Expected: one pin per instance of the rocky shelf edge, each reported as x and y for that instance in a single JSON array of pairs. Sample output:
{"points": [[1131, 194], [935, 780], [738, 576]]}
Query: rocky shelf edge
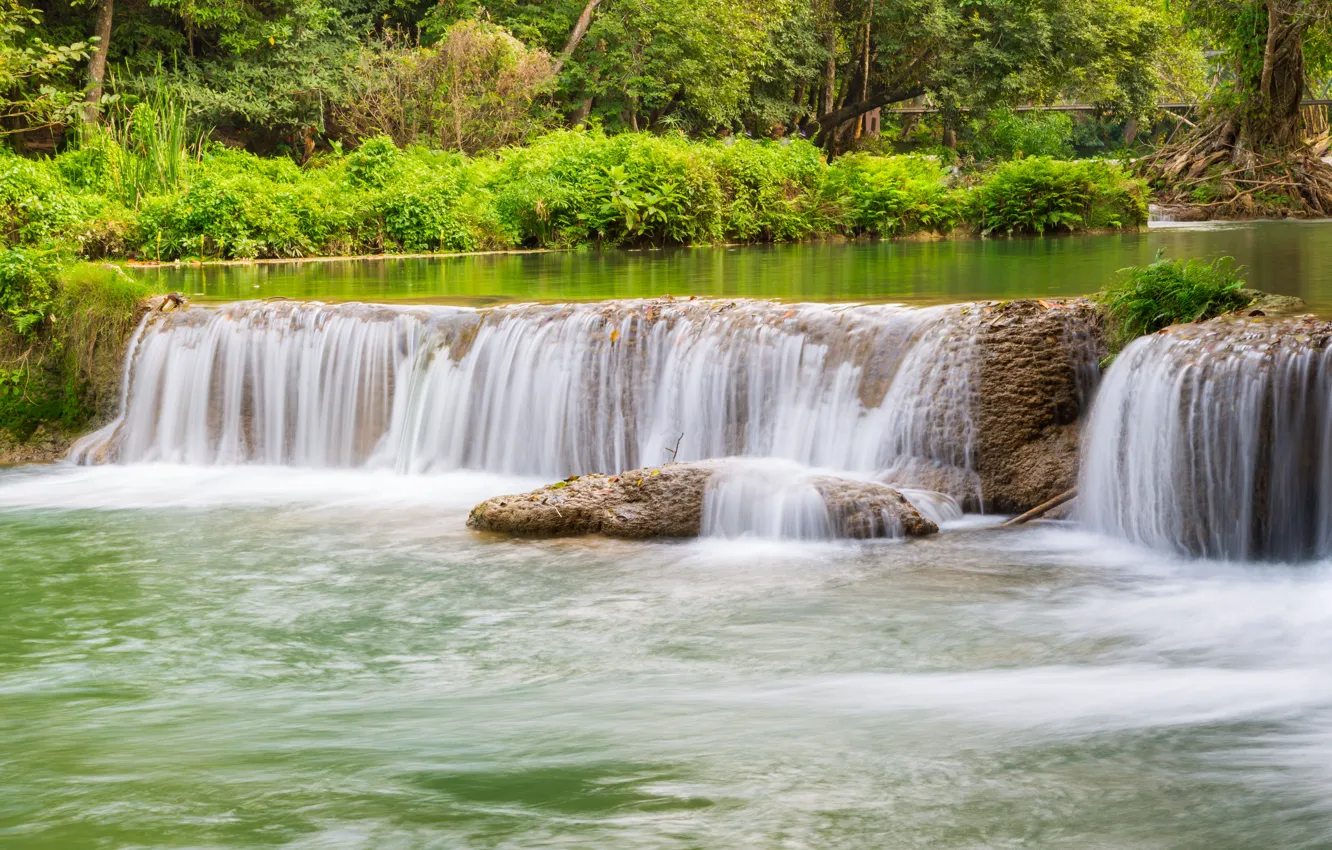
{"points": [[667, 501], [50, 442]]}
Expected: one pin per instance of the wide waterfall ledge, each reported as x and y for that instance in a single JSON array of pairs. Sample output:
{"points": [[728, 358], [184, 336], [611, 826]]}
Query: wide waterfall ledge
{"points": [[977, 401]]}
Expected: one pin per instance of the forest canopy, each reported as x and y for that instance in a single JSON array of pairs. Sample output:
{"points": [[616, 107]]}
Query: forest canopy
{"points": [[472, 75]]}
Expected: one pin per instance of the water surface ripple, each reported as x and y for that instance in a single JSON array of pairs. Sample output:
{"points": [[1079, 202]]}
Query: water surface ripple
{"points": [[250, 657]]}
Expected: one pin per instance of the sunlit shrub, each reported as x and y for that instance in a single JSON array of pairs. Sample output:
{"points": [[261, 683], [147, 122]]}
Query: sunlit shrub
{"points": [[1146, 299], [1040, 194], [892, 195]]}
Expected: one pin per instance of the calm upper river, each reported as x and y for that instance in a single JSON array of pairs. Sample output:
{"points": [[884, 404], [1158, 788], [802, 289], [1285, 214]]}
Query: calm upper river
{"points": [[1290, 258]]}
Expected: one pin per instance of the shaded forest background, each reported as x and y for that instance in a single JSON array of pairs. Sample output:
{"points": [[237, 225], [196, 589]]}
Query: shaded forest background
{"points": [[458, 74]]}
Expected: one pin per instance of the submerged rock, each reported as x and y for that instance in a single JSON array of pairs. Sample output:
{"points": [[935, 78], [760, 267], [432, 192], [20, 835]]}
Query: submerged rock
{"points": [[1269, 304], [668, 501]]}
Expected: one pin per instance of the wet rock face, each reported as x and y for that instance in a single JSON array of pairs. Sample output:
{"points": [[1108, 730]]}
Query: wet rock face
{"points": [[1038, 366], [863, 510], [668, 501]]}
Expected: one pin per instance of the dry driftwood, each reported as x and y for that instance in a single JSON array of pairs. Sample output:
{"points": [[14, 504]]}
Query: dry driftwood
{"points": [[1042, 509]]}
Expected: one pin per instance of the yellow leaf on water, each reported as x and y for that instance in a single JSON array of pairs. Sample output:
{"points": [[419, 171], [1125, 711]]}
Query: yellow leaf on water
{"points": [[656, 472], [615, 335]]}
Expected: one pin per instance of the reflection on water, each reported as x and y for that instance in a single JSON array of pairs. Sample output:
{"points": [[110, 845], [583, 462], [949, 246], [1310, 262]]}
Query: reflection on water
{"points": [[273, 657], [1292, 258]]}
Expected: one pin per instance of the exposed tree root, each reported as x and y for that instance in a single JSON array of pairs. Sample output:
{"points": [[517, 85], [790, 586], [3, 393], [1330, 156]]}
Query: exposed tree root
{"points": [[1212, 172]]}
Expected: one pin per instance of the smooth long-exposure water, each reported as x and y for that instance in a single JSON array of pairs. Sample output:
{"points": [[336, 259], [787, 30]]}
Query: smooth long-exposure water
{"points": [[269, 657]]}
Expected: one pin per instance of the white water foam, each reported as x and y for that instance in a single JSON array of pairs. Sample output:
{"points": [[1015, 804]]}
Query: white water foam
{"points": [[539, 390], [1215, 440]]}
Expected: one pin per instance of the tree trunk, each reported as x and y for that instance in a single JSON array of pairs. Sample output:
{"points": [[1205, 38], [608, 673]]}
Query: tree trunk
{"points": [[865, 71], [97, 62], [1274, 120], [580, 29], [829, 122], [581, 112], [829, 72]]}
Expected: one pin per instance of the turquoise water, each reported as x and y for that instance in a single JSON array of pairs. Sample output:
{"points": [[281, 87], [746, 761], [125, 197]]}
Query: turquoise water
{"points": [[1293, 258], [280, 658]]}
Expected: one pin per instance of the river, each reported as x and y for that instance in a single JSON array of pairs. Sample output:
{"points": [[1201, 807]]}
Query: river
{"points": [[208, 655], [1289, 258]]}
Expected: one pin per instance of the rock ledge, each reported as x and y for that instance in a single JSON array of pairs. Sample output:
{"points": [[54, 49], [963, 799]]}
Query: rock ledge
{"points": [[668, 501]]}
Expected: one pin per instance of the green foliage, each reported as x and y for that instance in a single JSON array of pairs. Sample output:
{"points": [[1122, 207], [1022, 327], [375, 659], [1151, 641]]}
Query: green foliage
{"points": [[27, 288], [371, 165], [1146, 299], [55, 316], [1005, 134], [112, 199], [36, 205], [1037, 194], [893, 195], [240, 213], [141, 151], [771, 191], [36, 76]]}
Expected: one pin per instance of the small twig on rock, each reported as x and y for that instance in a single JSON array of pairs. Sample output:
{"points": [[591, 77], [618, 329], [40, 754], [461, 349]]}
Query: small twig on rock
{"points": [[675, 451]]}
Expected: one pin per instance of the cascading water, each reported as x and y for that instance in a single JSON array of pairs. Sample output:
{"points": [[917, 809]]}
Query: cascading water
{"points": [[1216, 440], [764, 497], [550, 390]]}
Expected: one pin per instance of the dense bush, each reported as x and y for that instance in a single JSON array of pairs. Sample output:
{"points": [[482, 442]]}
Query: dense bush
{"points": [[36, 204], [1037, 194], [150, 194], [1146, 299], [892, 195]]}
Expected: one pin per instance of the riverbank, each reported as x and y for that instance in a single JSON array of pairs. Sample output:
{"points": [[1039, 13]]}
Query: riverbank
{"points": [[564, 189]]}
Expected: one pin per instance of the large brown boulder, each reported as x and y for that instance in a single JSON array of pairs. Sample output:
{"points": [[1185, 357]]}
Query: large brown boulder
{"points": [[1038, 364], [668, 501]]}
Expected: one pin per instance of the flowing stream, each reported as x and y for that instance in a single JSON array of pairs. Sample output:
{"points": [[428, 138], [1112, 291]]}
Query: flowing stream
{"points": [[253, 616], [276, 657], [549, 390], [1217, 443]]}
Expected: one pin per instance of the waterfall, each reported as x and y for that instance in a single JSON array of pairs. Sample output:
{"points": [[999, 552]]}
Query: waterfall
{"points": [[1216, 440], [550, 390], [767, 498]]}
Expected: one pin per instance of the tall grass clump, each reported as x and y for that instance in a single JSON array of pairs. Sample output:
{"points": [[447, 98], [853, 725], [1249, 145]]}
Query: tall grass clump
{"points": [[1040, 194], [146, 150], [57, 319], [1146, 299]]}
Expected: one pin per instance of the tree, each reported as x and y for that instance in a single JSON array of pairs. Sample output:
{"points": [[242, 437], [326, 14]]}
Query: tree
{"points": [[34, 74], [472, 90], [1251, 139], [966, 54], [97, 62]]}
